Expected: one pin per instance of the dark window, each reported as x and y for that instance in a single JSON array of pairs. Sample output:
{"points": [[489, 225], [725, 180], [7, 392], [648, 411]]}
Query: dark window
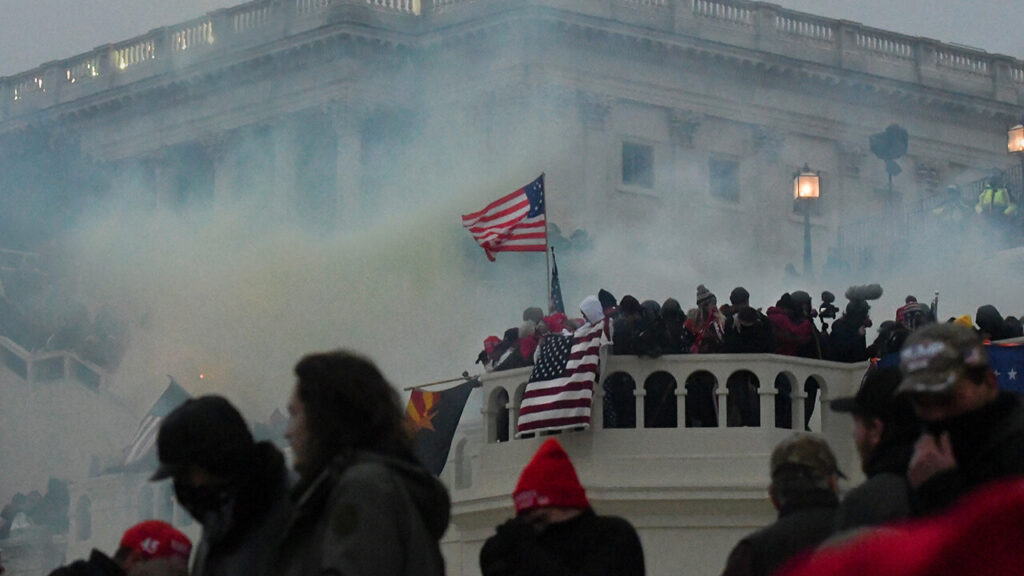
{"points": [[637, 165], [725, 179]]}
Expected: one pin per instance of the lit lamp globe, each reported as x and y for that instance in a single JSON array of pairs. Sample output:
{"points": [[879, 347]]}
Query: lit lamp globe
{"points": [[1015, 139], [807, 184]]}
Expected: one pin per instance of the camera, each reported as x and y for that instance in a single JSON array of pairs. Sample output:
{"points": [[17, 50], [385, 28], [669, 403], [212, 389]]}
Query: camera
{"points": [[827, 309]]}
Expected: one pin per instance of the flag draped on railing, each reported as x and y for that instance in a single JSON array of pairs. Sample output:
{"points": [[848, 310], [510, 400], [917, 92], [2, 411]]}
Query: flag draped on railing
{"points": [[432, 418], [561, 387], [145, 436], [513, 223]]}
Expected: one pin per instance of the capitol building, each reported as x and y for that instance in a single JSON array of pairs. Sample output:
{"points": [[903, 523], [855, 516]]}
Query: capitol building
{"points": [[656, 121]]}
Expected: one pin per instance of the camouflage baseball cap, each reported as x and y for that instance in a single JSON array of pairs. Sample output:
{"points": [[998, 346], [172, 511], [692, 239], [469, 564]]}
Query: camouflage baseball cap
{"points": [[934, 357], [804, 452]]}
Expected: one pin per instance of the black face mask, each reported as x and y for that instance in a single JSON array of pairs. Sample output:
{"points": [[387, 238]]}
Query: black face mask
{"points": [[205, 503]]}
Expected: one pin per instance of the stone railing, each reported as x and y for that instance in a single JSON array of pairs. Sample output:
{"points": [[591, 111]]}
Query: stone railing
{"points": [[503, 391], [49, 366], [751, 25]]}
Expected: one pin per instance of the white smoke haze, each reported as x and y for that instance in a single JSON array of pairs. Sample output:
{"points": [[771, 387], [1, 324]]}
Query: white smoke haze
{"points": [[237, 292]]}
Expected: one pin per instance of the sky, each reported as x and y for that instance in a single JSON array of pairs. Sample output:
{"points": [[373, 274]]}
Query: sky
{"points": [[36, 31]]}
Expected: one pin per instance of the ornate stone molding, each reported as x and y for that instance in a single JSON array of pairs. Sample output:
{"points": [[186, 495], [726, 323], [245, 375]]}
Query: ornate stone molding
{"points": [[682, 127], [768, 139], [594, 110], [927, 173], [851, 158]]}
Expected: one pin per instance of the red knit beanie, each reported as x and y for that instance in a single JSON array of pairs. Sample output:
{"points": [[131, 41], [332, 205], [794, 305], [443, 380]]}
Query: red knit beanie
{"points": [[549, 481]]}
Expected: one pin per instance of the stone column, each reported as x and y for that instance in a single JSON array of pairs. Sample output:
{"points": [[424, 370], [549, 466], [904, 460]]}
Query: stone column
{"points": [[282, 202], [348, 119], [682, 129], [217, 149], [593, 111]]}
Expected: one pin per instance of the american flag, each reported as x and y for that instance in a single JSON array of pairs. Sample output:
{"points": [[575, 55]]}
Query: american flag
{"points": [[559, 393], [514, 223], [145, 436]]}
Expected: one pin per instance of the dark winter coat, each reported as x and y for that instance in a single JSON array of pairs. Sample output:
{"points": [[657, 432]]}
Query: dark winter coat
{"points": [[846, 343], [755, 339], [803, 523], [98, 564], [364, 515], [588, 545], [885, 496], [988, 444], [244, 545]]}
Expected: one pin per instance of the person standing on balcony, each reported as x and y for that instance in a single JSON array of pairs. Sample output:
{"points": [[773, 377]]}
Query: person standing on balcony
{"points": [[364, 504], [884, 431], [555, 531], [804, 490], [973, 433], [747, 331]]}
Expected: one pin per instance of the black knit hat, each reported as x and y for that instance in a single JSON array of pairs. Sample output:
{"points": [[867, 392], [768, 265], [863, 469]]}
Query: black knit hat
{"points": [[704, 296], [208, 432]]}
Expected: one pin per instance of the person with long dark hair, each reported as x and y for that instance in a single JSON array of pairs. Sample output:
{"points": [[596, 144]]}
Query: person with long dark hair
{"points": [[364, 503]]}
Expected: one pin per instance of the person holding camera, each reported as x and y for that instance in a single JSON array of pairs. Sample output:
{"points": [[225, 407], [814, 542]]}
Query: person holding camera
{"points": [[848, 341], [555, 532]]}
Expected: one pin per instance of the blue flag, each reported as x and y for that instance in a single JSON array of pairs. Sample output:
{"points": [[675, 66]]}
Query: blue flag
{"points": [[1008, 363]]}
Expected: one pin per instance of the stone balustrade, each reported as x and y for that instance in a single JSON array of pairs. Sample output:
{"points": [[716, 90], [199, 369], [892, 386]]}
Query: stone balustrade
{"points": [[503, 391], [39, 367], [758, 26]]}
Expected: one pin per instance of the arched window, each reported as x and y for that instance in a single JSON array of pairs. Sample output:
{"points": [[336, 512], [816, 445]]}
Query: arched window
{"points": [[660, 406], [83, 518], [744, 404], [701, 405], [463, 466], [619, 401]]}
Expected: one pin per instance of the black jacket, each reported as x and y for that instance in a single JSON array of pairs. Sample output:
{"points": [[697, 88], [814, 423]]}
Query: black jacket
{"points": [[803, 523], [988, 444], [244, 543], [885, 496], [98, 564], [588, 544]]}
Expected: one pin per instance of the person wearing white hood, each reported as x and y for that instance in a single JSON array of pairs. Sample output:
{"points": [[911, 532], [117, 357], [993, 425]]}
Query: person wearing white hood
{"points": [[592, 310]]}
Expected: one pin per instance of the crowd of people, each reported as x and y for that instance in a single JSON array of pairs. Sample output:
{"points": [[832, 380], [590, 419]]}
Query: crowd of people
{"points": [[928, 434], [793, 326]]}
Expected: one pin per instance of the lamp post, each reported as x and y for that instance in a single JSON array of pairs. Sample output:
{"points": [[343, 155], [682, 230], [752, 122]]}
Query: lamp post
{"points": [[1015, 145], [806, 189]]}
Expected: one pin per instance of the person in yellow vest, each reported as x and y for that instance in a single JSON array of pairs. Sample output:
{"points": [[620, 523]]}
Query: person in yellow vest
{"points": [[995, 200]]}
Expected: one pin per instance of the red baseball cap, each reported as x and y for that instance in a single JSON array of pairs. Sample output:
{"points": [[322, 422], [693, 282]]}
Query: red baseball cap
{"points": [[156, 539]]}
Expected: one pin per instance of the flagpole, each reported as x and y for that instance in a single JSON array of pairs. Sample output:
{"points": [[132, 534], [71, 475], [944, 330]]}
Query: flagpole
{"points": [[465, 376], [547, 257]]}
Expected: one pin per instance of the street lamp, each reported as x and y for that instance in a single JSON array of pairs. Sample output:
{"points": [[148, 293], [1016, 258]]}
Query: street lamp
{"points": [[1015, 145], [806, 189]]}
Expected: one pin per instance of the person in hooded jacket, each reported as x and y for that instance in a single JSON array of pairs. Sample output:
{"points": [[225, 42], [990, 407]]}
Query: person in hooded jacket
{"points": [[991, 325], [235, 487], [364, 504]]}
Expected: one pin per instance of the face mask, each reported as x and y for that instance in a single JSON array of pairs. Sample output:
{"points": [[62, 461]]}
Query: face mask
{"points": [[204, 503]]}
